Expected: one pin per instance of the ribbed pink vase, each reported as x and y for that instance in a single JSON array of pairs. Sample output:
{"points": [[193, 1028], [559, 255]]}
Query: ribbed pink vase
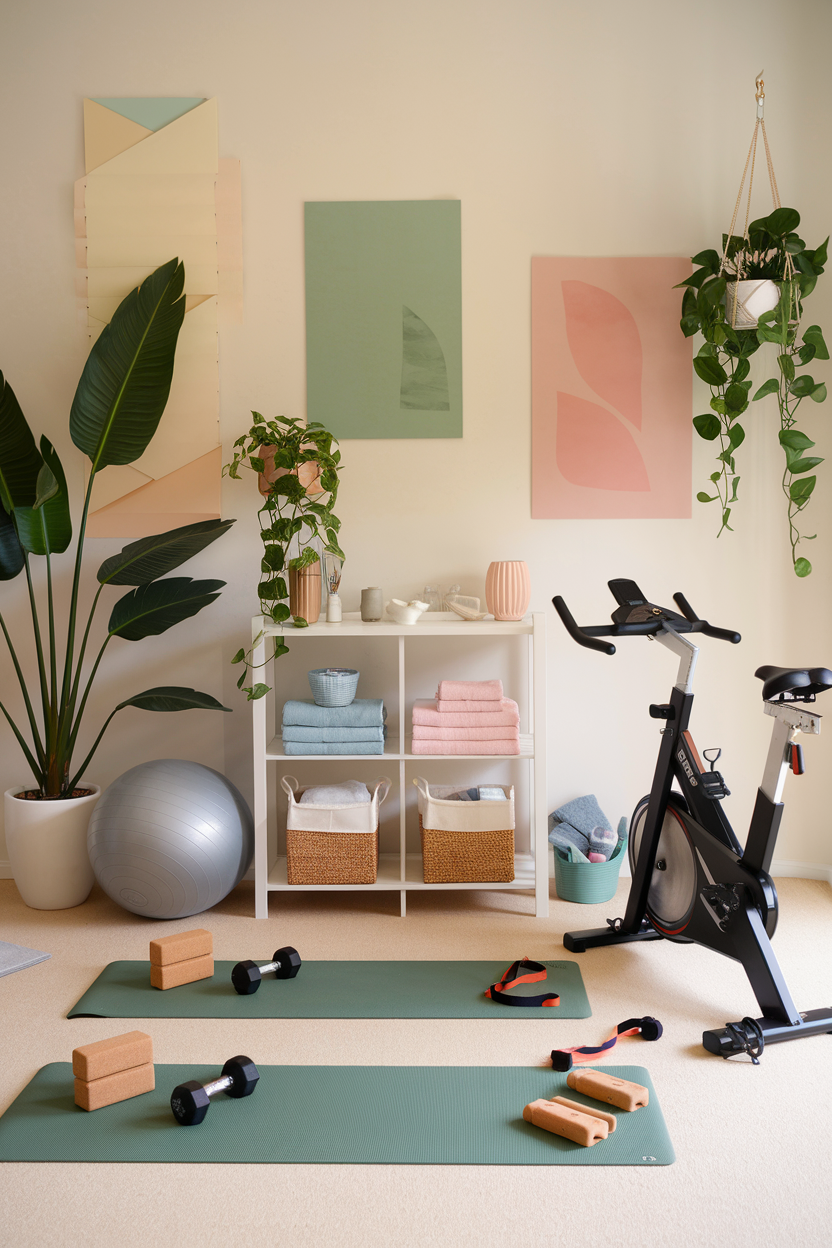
{"points": [[508, 589]]}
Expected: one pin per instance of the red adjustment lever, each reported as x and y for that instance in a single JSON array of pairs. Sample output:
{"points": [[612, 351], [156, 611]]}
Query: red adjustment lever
{"points": [[798, 766]]}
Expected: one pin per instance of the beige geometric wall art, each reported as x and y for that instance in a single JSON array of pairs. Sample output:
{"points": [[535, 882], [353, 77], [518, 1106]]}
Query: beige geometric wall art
{"points": [[155, 188]]}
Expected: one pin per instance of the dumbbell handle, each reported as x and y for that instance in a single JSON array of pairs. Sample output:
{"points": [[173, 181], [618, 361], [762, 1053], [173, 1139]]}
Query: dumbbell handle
{"points": [[218, 1085], [269, 966]]}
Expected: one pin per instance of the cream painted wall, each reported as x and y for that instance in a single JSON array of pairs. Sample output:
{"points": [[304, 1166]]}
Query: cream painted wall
{"points": [[564, 128]]}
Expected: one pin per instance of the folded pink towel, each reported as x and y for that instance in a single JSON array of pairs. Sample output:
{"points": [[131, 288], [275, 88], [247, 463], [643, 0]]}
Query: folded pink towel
{"points": [[427, 732], [473, 690], [465, 747], [489, 706], [425, 712]]}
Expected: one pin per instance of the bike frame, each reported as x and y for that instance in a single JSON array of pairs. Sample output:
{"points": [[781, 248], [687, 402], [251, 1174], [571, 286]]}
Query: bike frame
{"points": [[734, 906]]}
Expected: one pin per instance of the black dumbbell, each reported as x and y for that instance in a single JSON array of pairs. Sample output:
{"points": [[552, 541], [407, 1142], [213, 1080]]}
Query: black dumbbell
{"points": [[246, 976], [191, 1101]]}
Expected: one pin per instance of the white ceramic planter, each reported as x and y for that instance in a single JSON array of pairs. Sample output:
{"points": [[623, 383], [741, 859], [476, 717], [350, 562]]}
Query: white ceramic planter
{"points": [[747, 300], [47, 844]]}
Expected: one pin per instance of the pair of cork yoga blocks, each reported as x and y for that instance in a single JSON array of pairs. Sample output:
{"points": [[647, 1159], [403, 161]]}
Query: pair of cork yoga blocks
{"points": [[181, 959], [583, 1124], [113, 1070]]}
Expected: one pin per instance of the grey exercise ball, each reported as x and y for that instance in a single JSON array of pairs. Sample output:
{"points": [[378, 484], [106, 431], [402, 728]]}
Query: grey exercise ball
{"points": [[170, 838]]}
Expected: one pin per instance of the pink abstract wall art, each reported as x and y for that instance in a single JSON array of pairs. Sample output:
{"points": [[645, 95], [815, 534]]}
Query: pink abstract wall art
{"points": [[611, 389]]}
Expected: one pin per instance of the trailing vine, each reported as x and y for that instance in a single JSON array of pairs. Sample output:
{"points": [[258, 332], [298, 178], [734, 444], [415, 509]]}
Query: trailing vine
{"points": [[770, 250]]}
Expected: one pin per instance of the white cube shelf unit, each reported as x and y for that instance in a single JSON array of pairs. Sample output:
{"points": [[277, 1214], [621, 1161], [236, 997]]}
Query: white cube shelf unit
{"points": [[402, 871]]}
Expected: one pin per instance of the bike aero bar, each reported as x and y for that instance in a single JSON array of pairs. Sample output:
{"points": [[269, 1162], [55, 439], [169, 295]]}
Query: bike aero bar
{"points": [[636, 617]]}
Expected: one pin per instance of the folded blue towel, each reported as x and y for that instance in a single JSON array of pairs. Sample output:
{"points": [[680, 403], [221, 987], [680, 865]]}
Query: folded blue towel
{"points": [[296, 732], [361, 713], [333, 747]]}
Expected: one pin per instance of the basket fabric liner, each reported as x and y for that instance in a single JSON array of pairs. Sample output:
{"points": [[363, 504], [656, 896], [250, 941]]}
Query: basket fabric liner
{"points": [[349, 817]]}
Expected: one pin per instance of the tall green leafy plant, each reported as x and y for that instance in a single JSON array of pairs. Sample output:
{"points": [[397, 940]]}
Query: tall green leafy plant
{"points": [[116, 410], [771, 249], [301, 476]]}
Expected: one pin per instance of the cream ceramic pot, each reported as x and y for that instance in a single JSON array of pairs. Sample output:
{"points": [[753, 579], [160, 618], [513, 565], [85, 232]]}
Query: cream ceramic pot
{"points": [[47, 845], [405, 612]]}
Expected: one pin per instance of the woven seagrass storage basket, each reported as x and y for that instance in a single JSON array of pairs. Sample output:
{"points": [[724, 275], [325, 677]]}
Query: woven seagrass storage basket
{"points": [[465, 842], [332, 844]]}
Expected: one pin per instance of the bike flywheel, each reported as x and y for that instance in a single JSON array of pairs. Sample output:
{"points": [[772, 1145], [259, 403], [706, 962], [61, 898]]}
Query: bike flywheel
{"points": [[672, 889]]}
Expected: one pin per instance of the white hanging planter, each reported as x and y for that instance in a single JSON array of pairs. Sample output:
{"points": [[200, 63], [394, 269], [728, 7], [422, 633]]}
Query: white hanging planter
{"points": [[746, 301], [47, 845]]}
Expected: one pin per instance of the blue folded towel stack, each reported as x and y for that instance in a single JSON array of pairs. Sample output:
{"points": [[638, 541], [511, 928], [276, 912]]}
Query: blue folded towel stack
{"points": [[354, 729]]}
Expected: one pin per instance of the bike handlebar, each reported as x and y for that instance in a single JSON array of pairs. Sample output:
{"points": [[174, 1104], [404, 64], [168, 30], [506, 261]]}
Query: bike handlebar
{"points": [[581, 635], [688, 622]]}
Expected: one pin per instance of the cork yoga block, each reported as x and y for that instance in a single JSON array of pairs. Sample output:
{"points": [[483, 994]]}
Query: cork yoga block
{"points": [[108, 1057], [618, 1092], [573, 1124], [178, 973], [182, 946], [609, 1119], [97, 1093]]}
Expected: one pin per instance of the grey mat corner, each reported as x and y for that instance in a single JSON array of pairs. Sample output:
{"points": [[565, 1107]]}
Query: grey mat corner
{"points": [[329, 989], [18, 958], [390, 1115]]}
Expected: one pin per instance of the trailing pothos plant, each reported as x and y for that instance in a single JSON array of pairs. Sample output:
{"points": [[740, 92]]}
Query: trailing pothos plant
{"points": [[770, 249], [298, 466], [117, 407]]}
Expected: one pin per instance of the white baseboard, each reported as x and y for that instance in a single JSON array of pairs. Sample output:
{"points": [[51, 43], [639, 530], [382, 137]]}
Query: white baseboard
{"points": [[786, 870], [800, 871], [781, 868], [6, 871]]}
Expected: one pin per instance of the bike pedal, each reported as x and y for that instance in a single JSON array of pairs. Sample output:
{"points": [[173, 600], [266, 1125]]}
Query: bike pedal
{"points": [[713, 786]]}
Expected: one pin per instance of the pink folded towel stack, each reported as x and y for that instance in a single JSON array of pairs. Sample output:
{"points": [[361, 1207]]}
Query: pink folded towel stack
{"points": [[466, 717]]}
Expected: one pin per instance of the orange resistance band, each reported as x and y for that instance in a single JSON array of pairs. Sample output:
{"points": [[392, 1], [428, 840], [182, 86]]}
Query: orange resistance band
{"points": [[648, 1028], [533, 971]]}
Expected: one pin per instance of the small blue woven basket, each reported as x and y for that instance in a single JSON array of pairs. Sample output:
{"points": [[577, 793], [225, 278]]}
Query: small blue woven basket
{"points": [[333, 686]]}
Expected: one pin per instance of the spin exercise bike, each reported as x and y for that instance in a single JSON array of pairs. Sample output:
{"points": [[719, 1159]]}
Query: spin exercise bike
{"points": [[692, 880]]}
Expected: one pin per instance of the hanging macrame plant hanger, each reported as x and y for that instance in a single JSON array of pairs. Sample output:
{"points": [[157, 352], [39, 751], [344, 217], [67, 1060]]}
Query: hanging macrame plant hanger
{"points": [[746, 298]]}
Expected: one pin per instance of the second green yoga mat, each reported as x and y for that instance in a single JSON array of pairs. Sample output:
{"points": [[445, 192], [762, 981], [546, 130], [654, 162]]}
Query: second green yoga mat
{"points": [[335, 990], [422, 1115]]}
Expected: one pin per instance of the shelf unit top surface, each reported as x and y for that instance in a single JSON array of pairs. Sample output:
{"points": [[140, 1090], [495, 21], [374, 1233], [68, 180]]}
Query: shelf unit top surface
{"points": [[446, 624]]}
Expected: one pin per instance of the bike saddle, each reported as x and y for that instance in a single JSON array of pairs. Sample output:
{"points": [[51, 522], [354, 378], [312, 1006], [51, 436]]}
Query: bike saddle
{"points": [[802, 683]]}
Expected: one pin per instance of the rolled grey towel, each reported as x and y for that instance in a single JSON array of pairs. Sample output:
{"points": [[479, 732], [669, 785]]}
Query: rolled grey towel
{"points": [[583, 813], [563, 835]]}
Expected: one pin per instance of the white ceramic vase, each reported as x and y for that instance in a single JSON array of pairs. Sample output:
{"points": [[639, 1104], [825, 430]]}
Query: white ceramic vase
{"points": [[47, 845]]}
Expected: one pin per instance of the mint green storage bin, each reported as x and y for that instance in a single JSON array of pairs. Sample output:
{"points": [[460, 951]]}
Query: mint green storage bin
{"points": [[588, 882]]}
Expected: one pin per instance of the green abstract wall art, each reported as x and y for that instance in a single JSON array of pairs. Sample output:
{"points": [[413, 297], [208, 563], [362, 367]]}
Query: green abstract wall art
{"points": [[384, 318]]}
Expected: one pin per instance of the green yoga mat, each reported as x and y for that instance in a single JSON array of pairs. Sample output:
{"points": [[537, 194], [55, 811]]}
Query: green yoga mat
{"points": [[429, 1115], [335, 990]]}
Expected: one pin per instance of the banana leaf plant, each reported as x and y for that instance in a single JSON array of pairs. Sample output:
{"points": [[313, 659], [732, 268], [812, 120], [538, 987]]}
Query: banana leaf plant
{"points": [[116, 410]]}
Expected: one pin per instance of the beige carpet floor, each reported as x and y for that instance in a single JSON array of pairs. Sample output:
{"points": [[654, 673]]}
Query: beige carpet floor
{"points": [[753, 1165]]}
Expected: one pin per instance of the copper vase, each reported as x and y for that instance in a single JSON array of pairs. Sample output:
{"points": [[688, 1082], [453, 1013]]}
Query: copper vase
{"points": [[508, 589], [305, 592]]}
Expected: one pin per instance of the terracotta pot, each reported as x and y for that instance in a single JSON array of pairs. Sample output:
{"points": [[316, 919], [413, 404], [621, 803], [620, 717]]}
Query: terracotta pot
{"points": [[508, 589], [305, 592], [308, 474], [47, 844]]}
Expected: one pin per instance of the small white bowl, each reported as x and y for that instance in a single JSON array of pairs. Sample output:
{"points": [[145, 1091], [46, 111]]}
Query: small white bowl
{"points": [[405, 612]]}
